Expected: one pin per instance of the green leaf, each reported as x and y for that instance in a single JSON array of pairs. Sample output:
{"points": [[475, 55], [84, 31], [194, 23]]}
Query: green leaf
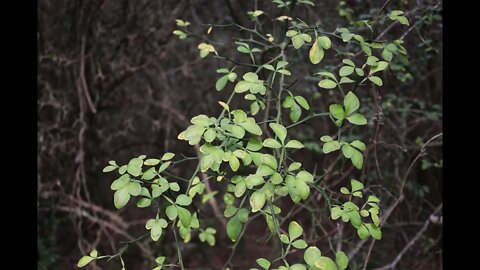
{"points": [[346, 80], [372, 61], [346, 70], [251, 126], [254, 180], [183, 200], [344, 190], [276, 178], [348, 62], [358, 144], [316, 53], [357, 194], [387, 55], [355, 218], [295, 113], [375, 218], [121, 198], [149, 174], [330, 147], [257, 200], [336, 212], [156, 229], [294, 230], [269, 67], [279, 130], [374, 231], [174, 186], [305, 176], [134, 188], [326, 138], [254, 108], [151, 162], [182, 22], [134, 166], [324, 42], [294, 144], [372, 198], [284, 238], [144, 202], [271, 143], [359, 72], [362, 232], [254, 144], [264, 263], [171, 212], [239, 116], [337, 111], [84, 261], [220, 84], [209, 135], [164, 166], [294, 166], [93, 253], [297, 41], [327, 74], [311, 255], [381, 65], [122, 169], [351, 103], [364, 213], [201, 120], [240, 189], [250, 77], [325, 263], [242, 86], [284, 72], [296, 266], [120, 182], [299, 244], [234, 228], [356, 185], [185, 216], [222, 70], [403, 20], [109, 168], [357, 119], [238, 131], [302, 102], [357, 159], [270, 161], [291, 33], [376, 80], [234, 163], [288, 102], [327, 84], [342, 260]]}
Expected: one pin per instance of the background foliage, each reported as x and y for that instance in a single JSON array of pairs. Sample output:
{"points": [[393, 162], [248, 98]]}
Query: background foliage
{"points": [[115, 82]]}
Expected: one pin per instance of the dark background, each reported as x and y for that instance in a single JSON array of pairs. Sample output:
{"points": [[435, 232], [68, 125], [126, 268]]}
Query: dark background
{"points": [[145, 84]]}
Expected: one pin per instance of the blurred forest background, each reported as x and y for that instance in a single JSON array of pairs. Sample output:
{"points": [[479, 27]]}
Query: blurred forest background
{"points": [[114, 83]]}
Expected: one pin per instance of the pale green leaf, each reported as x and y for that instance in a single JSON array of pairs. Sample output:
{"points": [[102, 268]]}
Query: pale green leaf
{"points": [[327, 84], [311, 255], [294, 144], [302, 102], [357, 119], [294, 230], [279, 130], [84, 261], [257, 200], [325, 263], [271, 143], [351, 103]]}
